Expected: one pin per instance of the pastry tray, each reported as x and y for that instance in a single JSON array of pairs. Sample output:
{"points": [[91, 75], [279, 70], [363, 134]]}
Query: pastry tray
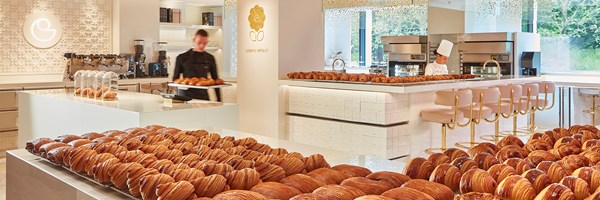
{"points": [[86, 177], [185, 87], [392, 84]]}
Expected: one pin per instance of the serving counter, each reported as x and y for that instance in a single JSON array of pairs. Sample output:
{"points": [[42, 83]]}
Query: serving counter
{"points": [[50, 113], [375, 119]]}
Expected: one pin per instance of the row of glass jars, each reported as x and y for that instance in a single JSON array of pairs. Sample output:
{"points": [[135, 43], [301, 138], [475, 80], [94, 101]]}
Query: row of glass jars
{"points": [[97, 85]]}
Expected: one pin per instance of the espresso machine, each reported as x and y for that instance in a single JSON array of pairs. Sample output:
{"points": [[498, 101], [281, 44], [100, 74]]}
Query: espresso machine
{"points": [[139, 67], [118, 63], [160, 68], [406, 55]]}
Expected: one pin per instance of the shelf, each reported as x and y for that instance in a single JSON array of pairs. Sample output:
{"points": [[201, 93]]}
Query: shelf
{"points": [[186, 26]]}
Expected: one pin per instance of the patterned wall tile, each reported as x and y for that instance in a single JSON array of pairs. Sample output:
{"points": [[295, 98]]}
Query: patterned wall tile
{"points": [[230, 13], [87, 29]]}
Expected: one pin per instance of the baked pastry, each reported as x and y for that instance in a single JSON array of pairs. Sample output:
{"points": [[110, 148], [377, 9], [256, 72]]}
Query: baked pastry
{"points": [[209, 186], [315, 161], [157, 164], [543, 137], [100, 170], [547, 156], [538, 179], [446, 174], [153, 148], [476, 196], [188, 159], [464, 164], [126, 156], [572, 162], [594, 157], [537, 144], [373, 197], [242, 164], [79, 159], [589, 175], [302, 182], [352, 171], [240, 195], [290, 165], [95, 160], [118, 173], [477, 180], [170, 169], [483, 147], [181, 190], [515, 188], [134, 177], [419, 168], [184, 147], [34, 145], [590, 143], [567, 140], [245, 142], [510, 140], [565, 150], [276, 151], [500, 171], [555, 191], [553, 169], [518, 164], [309, 196], [110, 147], [79, 142], [406, 193], [579, 187], [92, 135], [393, 178], [187, 174], [294, 155], [275, 190], [101, 140], [269, 172], [169, 155], [328, 176], [149, 185], [154, 128], [595, 196], [511, 151], [199, 164], [243, 179], [49, 146], [57, 155], [455, 153], [438, 158], [368, 186], [67, 138], [339, 192], [219, 168], [485, 160], [435, 190], [251, 155]]}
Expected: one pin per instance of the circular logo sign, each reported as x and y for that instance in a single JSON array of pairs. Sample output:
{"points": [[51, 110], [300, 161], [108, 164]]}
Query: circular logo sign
{"points": [[42, 30]]}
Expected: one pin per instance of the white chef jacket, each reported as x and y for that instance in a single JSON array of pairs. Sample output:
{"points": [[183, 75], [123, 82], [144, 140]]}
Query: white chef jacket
{"points": [[436, 69]]}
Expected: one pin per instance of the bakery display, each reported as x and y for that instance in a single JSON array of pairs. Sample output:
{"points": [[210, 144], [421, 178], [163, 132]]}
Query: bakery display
{"points": [[374, 78]]}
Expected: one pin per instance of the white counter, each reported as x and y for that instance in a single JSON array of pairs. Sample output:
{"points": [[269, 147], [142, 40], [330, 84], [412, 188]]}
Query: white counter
{"points": [[50, 113]]}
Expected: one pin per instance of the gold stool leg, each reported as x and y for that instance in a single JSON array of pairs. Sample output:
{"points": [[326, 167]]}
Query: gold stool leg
{"points": [[439, 150], [514, 131], [466, 145], [496, 136]]}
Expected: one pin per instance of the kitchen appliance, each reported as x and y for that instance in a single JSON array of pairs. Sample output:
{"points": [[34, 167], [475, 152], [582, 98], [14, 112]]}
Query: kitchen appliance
{"points": [[477, 48], [406, 55], [118, 63], [139, 68], [531, 63], [208, 19], [160, 68]]}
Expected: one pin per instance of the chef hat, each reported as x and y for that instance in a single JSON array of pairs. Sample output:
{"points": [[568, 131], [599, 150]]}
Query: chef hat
{"points": [[445, 48]]}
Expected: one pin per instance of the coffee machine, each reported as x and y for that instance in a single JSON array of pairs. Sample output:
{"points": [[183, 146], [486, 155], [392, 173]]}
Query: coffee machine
{"points": [[160, 68], [531, 63], [139, 67]]}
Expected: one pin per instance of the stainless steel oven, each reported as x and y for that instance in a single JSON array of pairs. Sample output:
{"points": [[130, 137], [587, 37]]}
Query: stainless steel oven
{"points": [[405, 55], [477, 48]]}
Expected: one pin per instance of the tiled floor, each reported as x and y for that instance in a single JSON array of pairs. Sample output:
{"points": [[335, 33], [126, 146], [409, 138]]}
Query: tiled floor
{"points": [[2, 178]]}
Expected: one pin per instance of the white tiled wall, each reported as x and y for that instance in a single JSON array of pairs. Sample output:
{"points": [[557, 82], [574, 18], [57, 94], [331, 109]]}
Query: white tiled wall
{"points": [[357, 106], [387, 142]]}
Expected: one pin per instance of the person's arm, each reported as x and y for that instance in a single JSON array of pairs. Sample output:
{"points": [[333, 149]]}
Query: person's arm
{"points": [[178, 68], [428, 70], [215, 75]]}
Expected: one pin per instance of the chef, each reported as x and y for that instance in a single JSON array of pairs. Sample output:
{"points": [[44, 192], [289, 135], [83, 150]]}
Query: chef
{"points": [[197, 63], [438, 67]]}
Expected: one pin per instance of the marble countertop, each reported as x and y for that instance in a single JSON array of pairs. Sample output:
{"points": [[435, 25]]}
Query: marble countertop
{"points": [[43, 85], [128, 101]]}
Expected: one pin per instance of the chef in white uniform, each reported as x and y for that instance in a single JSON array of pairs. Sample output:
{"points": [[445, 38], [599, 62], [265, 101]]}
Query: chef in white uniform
{"points": [[438, 67]]}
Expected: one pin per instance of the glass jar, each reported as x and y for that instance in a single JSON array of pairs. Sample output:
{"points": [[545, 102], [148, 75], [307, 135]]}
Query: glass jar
{"points": [[77, 86], [110, 81], [88, 84], [98, 87]]}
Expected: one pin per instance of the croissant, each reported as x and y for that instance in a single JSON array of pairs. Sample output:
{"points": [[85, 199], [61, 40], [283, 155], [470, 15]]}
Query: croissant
{"points": [[169, 155], [567, 140], [565, 150], [368, 186], [594, 157], [79, 142], [275, 190], [476, 196], [438, 159], [95, 160], [555, 191], [276, 151], [187, 174], [589, 175], [149, 185], [57, 155], [187, 159], [446, 174], [435, 190], [153, 148], [118, 173], [219, 168], [590, 143], [406, 193], [170, 168], [67, 138], [500, 171], [573, 162], [242, 164], [511, 151], [553, 169], [393, 178], [464, 164], [113, 133], [197, 133], [536, 144], [538, 179], [130, 143], [309, 196], [594, 196], [221, 156], [579, 187], [240, 194], [243, 179], [419, 168], [315, 161], [79, 159], [168, 130], [100, 170], [181, 190], [209, 186], [352, 171], [134, 177], [547, 156], [92, 136], [127, 156], [304, 183], [245, 142], [485, 160], [152, 139], [482, 148], [373, 197], [595, 149], [294, 155], [543, 137], [199, 164], [101, 140], [455, 153], [110, 147], [259, 147], [510, 140], [157, 164], [518, 164], [328, 176], [251, 155], [339, 192], [49, 146], [515, 188], [477, 180], [290, 165], [34, 145]]}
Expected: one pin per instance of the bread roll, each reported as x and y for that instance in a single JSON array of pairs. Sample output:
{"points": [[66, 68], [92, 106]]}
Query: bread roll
{"points": [[393, 178], [500, 171], [464, 164], [406, 193], [302, 182], [240, 195], [339, 192], [368, 186], [209, 186], [352, 171], [328, 176], [538, 179], [515, 188], [555, 191], [477, 180], [438, 159], [315, 161], [419, 168], [435, 190], [269, 172], [181, 190], [149, 185], [118, 173], [186, 174], [67, 138], [373, 197], [589, 175], [455, 153], [579, 187], [446, 174], [485, 160], [275, 190], [134, 177], [510, 140]]}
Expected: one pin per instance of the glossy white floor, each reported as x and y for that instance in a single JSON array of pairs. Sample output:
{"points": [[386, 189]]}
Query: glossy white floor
{"points": [[2, 178]]}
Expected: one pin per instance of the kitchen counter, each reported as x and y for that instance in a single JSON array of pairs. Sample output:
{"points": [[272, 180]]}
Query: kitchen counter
{"points": [[62, 84]]}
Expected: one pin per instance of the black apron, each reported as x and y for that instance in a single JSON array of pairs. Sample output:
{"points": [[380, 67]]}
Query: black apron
{"points": [[197, 66]]}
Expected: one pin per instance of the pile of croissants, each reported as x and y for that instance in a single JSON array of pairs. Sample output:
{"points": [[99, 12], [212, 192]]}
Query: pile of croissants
{"points": [[199, 81], [157, 162], [375, 78]]}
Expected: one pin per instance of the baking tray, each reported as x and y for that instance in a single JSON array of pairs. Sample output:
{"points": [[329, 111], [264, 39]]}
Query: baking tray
{"points": [[391, 84], [185, 87]]}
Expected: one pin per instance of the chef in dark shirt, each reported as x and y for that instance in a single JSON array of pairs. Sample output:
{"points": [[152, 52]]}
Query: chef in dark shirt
{"points": [[197, 63]]}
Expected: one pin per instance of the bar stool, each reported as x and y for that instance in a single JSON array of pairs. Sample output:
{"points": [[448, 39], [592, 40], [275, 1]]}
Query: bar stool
{"points": [[544, 88], [531, 96], [481, 98], [449, 115], [522, 105], [506, 109], [594, 93]]}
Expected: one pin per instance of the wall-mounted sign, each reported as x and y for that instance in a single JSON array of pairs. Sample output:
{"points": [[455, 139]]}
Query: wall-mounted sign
{"points": [[42, 30], [257, 22]]}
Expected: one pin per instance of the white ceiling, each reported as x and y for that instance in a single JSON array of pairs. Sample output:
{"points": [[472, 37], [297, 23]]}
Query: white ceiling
{"points": [[200, 2], [448, 4]]}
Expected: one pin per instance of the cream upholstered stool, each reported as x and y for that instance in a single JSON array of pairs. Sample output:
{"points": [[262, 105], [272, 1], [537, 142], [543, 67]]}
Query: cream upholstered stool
{"points": [[531, 92], [525, 105], [538, 104], [505, 109], [521, 106], [449, 115], [594, 93], [479, 110]]}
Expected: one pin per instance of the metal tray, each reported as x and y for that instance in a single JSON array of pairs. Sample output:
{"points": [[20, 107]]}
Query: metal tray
{"points": [[185, 87], [391, 84]]}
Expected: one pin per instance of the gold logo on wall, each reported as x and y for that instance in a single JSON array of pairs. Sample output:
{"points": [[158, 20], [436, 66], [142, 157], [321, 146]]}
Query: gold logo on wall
{"points": [[257, 22]]}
